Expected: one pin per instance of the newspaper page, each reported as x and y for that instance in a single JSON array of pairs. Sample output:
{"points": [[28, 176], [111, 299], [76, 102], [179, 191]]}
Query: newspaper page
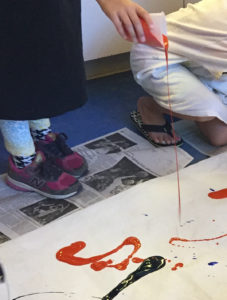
{"points": [[191, 134], [117, 161]]}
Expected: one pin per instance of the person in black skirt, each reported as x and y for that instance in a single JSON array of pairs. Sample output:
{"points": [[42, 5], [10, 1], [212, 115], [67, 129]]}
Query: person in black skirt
{"points": [[41, 76]]}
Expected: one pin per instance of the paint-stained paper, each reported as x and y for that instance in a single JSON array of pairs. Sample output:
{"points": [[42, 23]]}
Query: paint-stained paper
{"points": [[149, 212]]}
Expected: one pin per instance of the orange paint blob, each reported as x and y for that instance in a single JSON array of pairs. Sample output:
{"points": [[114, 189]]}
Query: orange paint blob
{"points": [[221, 194], [66, 255]]}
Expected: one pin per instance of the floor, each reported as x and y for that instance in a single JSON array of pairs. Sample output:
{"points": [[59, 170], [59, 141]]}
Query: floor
{"points": [[110, 100]]}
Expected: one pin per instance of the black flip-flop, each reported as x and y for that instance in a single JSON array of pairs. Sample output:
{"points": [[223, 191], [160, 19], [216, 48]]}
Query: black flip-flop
{"points": [[145, 129]]}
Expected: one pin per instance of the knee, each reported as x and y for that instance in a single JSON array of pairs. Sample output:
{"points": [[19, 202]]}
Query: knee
{"points": [[217, 140], [215, 131]]}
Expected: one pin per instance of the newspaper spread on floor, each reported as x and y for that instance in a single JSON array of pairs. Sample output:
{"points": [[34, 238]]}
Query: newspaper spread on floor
{"points": [[117, 161], [191, 134]]}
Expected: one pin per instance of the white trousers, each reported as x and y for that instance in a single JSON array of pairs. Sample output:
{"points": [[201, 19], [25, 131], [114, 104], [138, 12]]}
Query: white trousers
{"points": [[193, 90]]}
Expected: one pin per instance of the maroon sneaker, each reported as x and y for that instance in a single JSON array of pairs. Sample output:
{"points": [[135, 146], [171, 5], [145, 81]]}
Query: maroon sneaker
{"points": [[44, 177], [55, 148]]}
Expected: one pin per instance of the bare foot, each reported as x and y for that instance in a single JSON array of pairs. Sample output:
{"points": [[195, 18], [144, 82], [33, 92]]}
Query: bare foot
{"points": [[152, 114]]}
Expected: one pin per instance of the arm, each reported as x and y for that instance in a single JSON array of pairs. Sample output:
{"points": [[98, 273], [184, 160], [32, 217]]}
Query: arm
{"points": [[125, 16]]}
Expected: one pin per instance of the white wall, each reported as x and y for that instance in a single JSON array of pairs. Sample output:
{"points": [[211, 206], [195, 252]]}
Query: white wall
{"points": [[100, 38], [190, 1]]}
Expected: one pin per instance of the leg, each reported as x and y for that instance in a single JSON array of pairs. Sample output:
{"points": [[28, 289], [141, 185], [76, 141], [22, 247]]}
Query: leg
{"points": [[39, 128], [190, 98], [29, 171], [152, 113], [18, 141], [54, 146], [215, 131]]}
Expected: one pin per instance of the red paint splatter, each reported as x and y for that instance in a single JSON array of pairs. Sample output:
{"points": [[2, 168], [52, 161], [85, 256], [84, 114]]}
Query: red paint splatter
{"points": [[221, 194], [66, 255], [173, 239], [178, 265]]}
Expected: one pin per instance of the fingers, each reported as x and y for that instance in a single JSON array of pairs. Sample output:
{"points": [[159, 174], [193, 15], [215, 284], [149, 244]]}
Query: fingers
{"points": [[137, 28], [126, 27], [126, 16], [129, 26], [120, 28], [143, 14]]}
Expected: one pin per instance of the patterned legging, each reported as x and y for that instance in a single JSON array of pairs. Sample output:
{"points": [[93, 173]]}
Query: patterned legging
{"points": [[17, 135]]}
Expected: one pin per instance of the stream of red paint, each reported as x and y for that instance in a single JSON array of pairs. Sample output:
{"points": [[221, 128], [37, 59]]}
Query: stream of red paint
{"points": [[153, 42], [218, 194], [173, 239], [166, 45], [66, 255]]}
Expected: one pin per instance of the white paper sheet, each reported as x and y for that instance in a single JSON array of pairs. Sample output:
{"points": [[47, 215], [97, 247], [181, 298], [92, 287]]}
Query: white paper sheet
{"points": [[148, 211]]}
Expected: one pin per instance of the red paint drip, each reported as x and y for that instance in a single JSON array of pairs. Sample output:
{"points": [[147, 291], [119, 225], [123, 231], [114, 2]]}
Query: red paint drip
{"points": [[221, 194], [152, 41], [66, 255], [178, 265], [166, 45], [173, 239]]}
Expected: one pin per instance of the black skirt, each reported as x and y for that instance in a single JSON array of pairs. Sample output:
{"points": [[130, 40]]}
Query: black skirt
{"points": [[41, 61]]}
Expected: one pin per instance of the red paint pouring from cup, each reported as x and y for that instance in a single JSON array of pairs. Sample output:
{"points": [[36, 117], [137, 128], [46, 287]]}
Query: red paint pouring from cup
{"points": [[152, 41]]}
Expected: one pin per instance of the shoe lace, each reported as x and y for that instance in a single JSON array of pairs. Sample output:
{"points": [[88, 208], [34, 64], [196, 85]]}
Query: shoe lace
{"points": [[48, 170], [58, 148]]}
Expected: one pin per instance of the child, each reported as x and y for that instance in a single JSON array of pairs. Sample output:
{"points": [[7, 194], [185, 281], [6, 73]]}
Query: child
{"points": [[197, 75], [41, 76]]}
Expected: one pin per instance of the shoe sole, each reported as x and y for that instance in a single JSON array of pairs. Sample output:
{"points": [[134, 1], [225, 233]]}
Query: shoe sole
{"points": [[82, 171], [20, 186]]}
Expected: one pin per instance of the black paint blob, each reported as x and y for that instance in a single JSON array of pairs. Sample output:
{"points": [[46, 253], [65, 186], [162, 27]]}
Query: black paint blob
{"points": [[149, 265]]}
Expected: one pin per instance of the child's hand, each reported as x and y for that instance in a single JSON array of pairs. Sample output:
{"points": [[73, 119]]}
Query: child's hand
{"points": [[125, 15]]}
